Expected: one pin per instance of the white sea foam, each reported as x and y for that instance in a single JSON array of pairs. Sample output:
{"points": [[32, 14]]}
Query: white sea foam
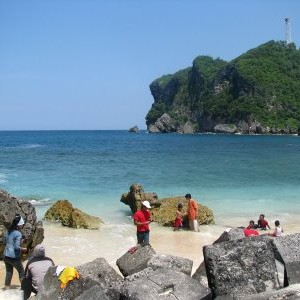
{"points": [[41, 202]]}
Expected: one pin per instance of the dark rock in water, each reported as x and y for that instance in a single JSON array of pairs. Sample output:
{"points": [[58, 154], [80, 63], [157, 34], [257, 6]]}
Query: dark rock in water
{"points": [[137, 195], [64, 212], [134, 129], [131, 263], [288, 252], [33, 229], [98, 280], [241, 267], [163, 284], [177, 263]]}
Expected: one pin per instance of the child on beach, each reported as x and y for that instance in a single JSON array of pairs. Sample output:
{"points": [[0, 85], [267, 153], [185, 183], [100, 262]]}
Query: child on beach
{"points": [[278, 230], [178, 220]]}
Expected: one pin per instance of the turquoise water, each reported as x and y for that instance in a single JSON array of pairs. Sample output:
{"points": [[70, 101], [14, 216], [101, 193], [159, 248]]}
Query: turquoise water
{"points": [[236, 176]]}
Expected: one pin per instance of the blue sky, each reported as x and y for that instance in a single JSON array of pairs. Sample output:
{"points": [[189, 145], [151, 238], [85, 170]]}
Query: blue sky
{"points": [[70, 64]]}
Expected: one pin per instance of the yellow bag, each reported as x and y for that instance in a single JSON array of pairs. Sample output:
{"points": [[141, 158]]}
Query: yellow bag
{"points": [[68, 274]]}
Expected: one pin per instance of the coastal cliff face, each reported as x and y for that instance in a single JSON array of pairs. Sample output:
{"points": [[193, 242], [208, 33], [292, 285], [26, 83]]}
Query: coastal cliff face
{"points": [[257, 92]]}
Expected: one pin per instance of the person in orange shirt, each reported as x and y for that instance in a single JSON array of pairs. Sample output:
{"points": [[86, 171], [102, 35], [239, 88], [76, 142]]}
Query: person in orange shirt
{"points": [[192, 212]]}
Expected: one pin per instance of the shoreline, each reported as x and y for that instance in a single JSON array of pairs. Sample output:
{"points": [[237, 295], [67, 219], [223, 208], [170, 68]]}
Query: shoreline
{"points": [[73, 247]]}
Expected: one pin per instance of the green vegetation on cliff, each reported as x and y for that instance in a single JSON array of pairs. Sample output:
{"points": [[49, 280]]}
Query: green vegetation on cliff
{"points": [[262, 86]]}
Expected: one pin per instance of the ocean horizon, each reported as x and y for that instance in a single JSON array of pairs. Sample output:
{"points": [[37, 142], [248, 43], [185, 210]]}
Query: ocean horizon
{"points": [[237, 176]]}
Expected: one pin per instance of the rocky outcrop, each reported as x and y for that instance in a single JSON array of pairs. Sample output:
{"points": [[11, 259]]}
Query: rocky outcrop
{"points": [[241, 267], [134, 129], [164, 215], [32, 231], [64, 212], [163, 210], [137, 195]]}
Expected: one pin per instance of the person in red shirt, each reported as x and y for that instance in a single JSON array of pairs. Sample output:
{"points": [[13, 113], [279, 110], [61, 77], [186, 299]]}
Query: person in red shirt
{"points": [[251, 225], [262, 223], [250, 232], [142, 219]]}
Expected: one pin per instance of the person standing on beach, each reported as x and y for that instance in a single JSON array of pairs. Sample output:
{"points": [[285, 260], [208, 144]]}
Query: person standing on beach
{"points": [[142, 219], [12, 251], [192, 212]]}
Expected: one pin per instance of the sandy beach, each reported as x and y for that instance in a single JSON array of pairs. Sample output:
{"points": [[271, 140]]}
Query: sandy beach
{"points": [[73, 247]]}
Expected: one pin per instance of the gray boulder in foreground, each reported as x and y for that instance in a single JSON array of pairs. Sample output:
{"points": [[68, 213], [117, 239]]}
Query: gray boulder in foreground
{"points": [[241, 267], [163, 284], [131, 263], [288, 252], [98, 280], [230, 234], [177, 263]]}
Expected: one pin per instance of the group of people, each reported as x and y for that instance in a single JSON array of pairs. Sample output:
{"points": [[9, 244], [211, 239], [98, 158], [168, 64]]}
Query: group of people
{"points": [[262, 223], [142, 218], [32, 277]]}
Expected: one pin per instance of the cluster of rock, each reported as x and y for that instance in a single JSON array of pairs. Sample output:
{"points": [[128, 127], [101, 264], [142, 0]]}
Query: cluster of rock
{"points": [[163, 210], [146, 275], [237, 267], [166, 124], [32, 231], [63, 211]]}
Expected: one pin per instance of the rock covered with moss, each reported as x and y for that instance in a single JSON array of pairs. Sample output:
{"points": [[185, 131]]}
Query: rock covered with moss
{"points": [[64, 212]]}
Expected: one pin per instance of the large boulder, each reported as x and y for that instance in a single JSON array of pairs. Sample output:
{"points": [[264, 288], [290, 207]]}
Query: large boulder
{"points": [[137, 195], [288, 252], [64, 212], [133, 262], [32, 231], [97, 280], [177, 263], [241, 267], [165, 214], [163, 284]]}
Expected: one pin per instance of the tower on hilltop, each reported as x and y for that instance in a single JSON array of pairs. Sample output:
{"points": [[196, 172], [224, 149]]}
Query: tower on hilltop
{"points": [[288, 33]]}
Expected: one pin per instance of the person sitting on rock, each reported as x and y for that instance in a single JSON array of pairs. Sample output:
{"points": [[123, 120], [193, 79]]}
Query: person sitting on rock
{"points": [[251, 225], [262, 223], [35, 271]]}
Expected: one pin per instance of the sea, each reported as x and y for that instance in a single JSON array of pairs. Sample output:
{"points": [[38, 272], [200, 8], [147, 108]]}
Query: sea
{"points": [[237, 176]]}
